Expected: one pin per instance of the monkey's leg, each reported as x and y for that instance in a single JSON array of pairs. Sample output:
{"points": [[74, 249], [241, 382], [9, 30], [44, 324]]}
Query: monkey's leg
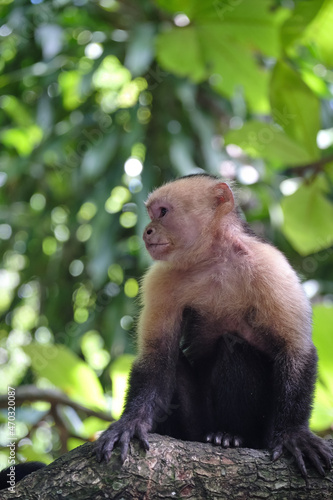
{"points": [[238, 383], [294, 380], [183, 418], [151, 385]]}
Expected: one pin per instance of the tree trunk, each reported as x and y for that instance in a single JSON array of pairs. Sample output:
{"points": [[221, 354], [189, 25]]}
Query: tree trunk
{"points": [[172, 469]]}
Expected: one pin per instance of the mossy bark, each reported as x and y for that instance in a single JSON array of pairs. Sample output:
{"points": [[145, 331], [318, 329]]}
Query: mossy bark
{"points": [[172, 469]]}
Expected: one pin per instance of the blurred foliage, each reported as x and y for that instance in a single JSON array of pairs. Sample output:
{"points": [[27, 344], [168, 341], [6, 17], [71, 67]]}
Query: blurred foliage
{"points": [[100, 102]]}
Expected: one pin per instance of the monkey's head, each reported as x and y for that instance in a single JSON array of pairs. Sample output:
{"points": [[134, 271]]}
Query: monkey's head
{"points": [[186, 215]]}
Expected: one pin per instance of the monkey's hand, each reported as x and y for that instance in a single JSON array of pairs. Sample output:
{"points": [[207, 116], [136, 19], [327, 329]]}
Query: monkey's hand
{"points": [[302, 443], [122, 432]]}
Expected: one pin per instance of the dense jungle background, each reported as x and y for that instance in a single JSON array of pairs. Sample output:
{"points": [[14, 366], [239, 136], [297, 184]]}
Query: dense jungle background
{"points": [[100, 102]]}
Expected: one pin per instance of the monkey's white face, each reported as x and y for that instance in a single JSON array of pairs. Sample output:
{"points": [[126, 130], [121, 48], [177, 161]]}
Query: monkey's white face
{"points": [[168, 233], [185, 216]]}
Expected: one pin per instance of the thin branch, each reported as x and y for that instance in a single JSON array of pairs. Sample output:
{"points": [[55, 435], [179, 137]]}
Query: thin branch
{"points": [[54, 397], [316, 166]]}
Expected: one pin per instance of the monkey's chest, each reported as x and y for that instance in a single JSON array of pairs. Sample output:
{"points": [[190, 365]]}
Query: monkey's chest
{"points": [[200, 333], [224, 292]]}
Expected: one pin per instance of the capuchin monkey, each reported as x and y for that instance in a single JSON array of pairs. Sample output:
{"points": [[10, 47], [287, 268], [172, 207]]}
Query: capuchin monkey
{"points": [[224, 337]]}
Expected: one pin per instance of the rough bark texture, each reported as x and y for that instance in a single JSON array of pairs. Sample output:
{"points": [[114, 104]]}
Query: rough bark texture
{"points": [[172, 469]]}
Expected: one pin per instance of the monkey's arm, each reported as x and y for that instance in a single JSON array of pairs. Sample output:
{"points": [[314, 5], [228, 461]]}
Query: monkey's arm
{"points": [[152, 377], [284, 313], [294, 378]]}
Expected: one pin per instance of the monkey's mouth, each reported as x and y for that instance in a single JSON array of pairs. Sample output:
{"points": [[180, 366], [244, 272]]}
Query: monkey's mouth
{"points": [[157, 248], [155, 245]]}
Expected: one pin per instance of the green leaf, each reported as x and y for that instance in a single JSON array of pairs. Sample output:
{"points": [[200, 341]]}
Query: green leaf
{"points": [[322, 416], [234, 67], [295, 108], [189, 62], [252, 23], [323, 339], [208, 53], [303, 13], [15, 109], [264, 140], [322, 413], [67, 371], [308, 219], [315, 83], [70, 83], [189, 7], [319, 32], [223, 40], [24, 140]]}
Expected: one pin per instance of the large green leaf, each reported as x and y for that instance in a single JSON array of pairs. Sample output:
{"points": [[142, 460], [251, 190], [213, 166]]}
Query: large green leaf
{"points": [[323, 339], [308, 219], [310, 23], [221, 40], [67, 371], [322, 416], [295, 108], [319, 32], [252, 22], [303, 13], [322, 413], [234, 67], [264, 140], [189, 62]]}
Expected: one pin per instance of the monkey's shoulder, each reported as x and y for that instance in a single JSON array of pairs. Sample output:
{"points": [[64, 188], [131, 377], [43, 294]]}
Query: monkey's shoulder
{"points": [[272, 266], [243, 259], [241, 274]]}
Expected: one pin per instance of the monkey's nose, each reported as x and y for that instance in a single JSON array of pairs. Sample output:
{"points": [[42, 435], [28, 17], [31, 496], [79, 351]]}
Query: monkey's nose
{"points": [[150, 231]]}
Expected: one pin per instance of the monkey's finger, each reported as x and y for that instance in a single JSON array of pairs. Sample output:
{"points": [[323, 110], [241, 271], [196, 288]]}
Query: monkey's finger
{"points": [[277, 452], [316, 463], [316, 452], [218, 438], [124, 444], [104, 447], [143, 439], [328, 460], [209, 437], [325, 453], [237, 441], [107, 454], [99, 453], [299, 460], [226, 441], [327, 457]]}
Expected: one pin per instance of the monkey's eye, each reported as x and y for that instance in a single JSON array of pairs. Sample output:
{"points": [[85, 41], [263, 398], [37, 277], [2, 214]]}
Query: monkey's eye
{"points": [[163, 211]]}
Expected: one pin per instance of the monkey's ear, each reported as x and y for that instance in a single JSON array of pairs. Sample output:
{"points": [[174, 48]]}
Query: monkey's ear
{"points": [[224, 196]]}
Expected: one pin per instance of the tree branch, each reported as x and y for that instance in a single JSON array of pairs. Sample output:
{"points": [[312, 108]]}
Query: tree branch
{"points": [[316, 166], [54, 397], [172, 469]]}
